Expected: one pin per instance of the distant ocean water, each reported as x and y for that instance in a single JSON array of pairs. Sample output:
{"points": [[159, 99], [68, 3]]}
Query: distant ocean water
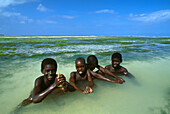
{"points": [[146, 58]]}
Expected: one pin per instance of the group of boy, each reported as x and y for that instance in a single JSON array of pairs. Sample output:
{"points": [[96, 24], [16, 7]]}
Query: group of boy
{"points": [[52, 82]]}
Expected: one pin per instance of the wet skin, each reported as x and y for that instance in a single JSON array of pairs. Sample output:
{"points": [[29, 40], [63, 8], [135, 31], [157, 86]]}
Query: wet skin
{"points": [[81, 74], [116, 68], [103, 71], [47, 83]]}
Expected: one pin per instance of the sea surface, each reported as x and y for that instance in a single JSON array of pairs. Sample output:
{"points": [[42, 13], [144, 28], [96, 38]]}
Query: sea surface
{"points": [[147, 59]]}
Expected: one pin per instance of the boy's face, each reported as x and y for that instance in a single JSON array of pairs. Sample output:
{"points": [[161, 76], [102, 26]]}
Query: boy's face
{"points": [[115, 62], [80, 67], [49, 72]]}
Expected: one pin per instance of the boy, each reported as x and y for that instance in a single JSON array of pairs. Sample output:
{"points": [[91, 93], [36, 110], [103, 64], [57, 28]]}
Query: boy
{"points": [[83, 74], [47, 83], [92, 63], [115, 66]]}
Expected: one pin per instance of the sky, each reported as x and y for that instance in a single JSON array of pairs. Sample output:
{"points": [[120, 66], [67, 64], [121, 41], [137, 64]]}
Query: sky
{"points": [[85, 17]]}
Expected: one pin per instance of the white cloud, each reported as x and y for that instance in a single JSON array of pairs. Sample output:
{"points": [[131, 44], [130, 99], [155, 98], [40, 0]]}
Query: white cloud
{"points": [[20, 18], [46, 21], [151, 17], [105, 11], [6, 3], [50, 22], [67, 16], [42, 8]]}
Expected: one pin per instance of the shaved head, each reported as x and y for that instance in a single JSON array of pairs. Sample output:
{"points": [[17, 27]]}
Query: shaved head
{"points": [[80, 60]]}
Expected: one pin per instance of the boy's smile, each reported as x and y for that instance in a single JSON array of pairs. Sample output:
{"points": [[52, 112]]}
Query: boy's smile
{"points": [[115, 62], [80, 67]]}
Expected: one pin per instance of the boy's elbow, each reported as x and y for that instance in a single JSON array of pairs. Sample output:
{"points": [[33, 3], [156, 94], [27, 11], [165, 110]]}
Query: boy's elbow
{"points": [[126, 73], [36, 101]]}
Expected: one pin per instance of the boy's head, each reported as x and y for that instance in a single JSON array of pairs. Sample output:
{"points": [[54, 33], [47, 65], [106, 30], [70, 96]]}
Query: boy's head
{"points": [[80, 65], [49, 68], [92, 62], [116, 59]]}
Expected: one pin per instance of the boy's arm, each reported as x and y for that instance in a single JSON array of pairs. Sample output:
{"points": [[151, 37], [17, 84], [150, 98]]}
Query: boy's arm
{"points": [[106, 71], [99, 76], [38, 94], [69, 86], [91, 84], [72, 82], [124, 71]]}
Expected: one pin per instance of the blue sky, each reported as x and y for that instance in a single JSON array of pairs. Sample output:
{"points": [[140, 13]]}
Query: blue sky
{"points": [[85, 17]]}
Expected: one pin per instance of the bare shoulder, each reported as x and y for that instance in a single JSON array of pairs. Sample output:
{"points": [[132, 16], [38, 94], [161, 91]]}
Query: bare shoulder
{"points": [[108, 66], [72, 74], [39, 80], [124, 69]]}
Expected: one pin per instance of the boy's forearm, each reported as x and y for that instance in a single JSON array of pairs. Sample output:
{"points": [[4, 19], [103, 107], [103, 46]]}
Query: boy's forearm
{"points": [[110, 74], [91, 84], [74, 85], [39, 97], [69, 86]]}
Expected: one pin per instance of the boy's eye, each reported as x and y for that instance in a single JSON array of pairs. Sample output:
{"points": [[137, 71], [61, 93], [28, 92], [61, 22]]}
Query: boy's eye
{"points": [[53, 70], [79, 66], [50, 70]]}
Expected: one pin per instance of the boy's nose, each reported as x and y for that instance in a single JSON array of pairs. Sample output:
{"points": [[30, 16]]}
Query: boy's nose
{"points": [[79, 68], [50, 72]]}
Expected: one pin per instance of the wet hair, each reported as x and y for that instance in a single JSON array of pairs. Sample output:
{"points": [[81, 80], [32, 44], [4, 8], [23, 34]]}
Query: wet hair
{"points": [[92, 60], [117, 55], [80, 59], [48, 61]]}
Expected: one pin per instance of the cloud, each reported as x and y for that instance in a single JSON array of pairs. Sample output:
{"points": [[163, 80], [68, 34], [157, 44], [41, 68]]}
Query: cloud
{"points": [[105, 11], [6, 3], [42, 8], [151, 17], [24, 19], [50, 22], [67, 16], [20, 18]]}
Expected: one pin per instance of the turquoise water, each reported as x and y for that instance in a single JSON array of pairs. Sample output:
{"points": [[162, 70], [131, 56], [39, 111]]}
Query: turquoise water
{"points": [[147, 59]]}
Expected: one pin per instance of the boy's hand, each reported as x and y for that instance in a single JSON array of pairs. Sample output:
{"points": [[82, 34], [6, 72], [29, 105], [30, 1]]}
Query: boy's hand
{"points": [[121, 80], [87, 90], [60, 79]]}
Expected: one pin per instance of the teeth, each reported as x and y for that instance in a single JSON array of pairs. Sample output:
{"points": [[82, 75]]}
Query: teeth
{"points": [[50, 77], [80, 72]]}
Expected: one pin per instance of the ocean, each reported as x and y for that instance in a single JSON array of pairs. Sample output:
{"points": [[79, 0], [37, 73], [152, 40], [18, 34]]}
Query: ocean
{"points": [[146, 58]]}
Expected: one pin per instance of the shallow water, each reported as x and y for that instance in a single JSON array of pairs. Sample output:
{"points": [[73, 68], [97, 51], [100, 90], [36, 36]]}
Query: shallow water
{"points": [[147, 59]]}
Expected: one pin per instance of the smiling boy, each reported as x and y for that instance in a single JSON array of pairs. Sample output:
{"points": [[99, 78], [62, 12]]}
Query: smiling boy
{"points": [[115, 67], [81, 74], [92, 63], [47, 83]]}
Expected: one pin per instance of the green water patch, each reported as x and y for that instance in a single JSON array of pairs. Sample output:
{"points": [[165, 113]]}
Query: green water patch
{"points": [[164, 42], [43, 46], [107, 53], [135, 50], [7, 48], [10, 44], [51, 54], [97, 43], [12, 54]]}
